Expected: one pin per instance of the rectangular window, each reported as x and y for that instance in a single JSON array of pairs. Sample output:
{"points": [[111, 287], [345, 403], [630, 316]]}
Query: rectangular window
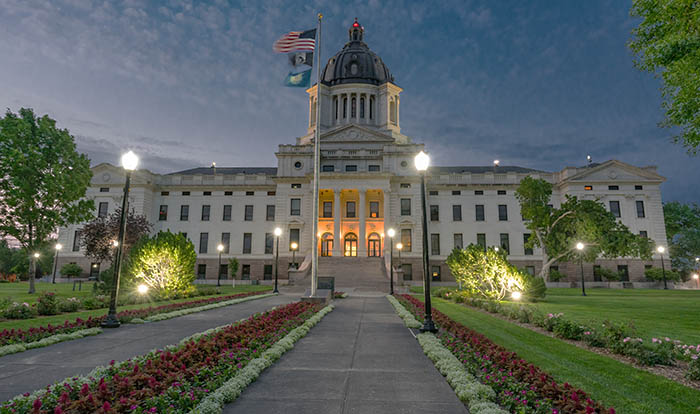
{"points": [[94, 270], [201, 271], [206, 209], [223, 271], [226, 242], [501, 192], [227, 212], [206, 193], [456, 192], [613, 187], [351, 168], [432, 193], [250, 193], [76, 241], [407, 271], [350, 209], [295, 207], [588, 188], [640, 209], [624, 273], [505, 242], [530, 270], [374, 168], [434, 213], [184, 212], [294, 238], [478, 192], [643, 233], [270, 212], [596, 273], [457, 212], [528, 250], [615, 208], [185, 193], [296, 185], [481, 240], [102, 209], [203, 242], [165, 193], [435, 244], [435, 272], [638, 187], [245, 272], [272, 193], [406, 239], [248, 214], [267, 272], [228, 193], [405, 206], [106, 190], [247, 242], [502, 212], [405, 185], [458, 241], [374, 209], [327, 168], [327, 209], [480, 215], [163, 213], [269, 243]]}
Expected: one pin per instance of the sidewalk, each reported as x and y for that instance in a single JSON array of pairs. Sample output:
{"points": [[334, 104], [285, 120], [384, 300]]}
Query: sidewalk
{"points": [[34, 369], [359, 359]]}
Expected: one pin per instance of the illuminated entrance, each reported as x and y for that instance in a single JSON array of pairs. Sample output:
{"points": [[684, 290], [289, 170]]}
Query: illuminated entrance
{"points": [[350, 247], [327, 245], [374, 245]]}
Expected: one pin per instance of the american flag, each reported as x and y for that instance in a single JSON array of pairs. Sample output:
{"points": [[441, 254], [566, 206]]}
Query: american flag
{"points": [[296, 42]]}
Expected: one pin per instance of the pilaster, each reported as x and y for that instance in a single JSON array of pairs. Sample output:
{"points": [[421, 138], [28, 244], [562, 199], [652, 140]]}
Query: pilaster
{"points": [[362, 242]]}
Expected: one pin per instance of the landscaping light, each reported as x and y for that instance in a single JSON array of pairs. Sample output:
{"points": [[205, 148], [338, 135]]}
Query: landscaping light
{"points": [[496, 249], [130, 161], [695, 276], [580, 246], [115, 243], [36, 255], [278, 231], [422, 161], [142, 289], [516, 295], [660, 249]]}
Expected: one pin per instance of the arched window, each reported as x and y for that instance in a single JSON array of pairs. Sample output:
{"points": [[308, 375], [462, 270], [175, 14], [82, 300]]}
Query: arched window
{"points": [[392, 111], [353, 111], [362, 107], [350, 245], [374, 245], [345, 107], [327, 244], [371, 107]]}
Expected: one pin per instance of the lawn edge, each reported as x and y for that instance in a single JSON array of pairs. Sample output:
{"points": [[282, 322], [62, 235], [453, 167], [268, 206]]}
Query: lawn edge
{"points": [[174, 314], [49, 340]]}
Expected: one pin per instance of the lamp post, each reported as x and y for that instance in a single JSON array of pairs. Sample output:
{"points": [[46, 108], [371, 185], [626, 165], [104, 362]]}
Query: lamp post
{"points": [[220, 248], [422, 162], [580, 246], [58, 247], [697, 279], [391, 233], [278, 233], [294, 246], [129, 162], [661, 251]]}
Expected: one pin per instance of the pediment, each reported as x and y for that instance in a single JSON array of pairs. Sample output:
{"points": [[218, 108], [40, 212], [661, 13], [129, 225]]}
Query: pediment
{"points": [[355, 133], [615, 170]]}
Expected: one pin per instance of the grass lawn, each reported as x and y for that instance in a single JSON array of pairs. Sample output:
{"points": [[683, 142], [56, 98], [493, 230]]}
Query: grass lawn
{"points": [[624, 387]]}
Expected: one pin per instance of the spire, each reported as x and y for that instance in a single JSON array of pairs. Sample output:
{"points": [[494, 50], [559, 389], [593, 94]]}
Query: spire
{"points": [[356, 32]]}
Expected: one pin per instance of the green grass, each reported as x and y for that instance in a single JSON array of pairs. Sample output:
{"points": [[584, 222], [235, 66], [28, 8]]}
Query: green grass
{"points": [[613, 383]]}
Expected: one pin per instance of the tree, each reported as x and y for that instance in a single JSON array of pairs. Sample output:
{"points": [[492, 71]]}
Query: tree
{"points": [[557, 230], [683, 235], [164, 262], [43, 180], [233, 267], [667, 43], [97, 237], [485, 273], [71, 269]]}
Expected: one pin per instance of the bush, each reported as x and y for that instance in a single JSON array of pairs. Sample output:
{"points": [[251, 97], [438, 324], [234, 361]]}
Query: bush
{"points": [[69, 305], [693, 368], [607, 274], [71, 270], [567, 329], [19, 311], [535, 289], [594, 338], [96, 302], [47, 304], [555, 275], [657, 274]]}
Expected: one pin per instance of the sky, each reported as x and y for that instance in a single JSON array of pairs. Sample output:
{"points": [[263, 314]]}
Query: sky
{"points": [[537, 84]]}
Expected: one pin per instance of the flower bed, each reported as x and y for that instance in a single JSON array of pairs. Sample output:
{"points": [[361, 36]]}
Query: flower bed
{"points": [[175, 379], [521, 387]]}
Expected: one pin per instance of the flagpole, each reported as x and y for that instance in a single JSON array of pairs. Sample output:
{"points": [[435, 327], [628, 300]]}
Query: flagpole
{"points": [[317, 161]]}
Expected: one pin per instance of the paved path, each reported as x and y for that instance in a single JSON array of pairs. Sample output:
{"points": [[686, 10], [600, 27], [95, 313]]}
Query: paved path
{"points": [[359, 359], [36, 368]]}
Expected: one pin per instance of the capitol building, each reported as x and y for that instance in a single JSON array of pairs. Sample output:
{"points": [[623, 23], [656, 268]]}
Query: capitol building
{"points": [[368, 184]]}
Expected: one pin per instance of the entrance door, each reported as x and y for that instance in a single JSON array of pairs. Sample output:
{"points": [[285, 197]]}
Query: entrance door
{"points": [[350, 248], [374, 245], [327, 245]]}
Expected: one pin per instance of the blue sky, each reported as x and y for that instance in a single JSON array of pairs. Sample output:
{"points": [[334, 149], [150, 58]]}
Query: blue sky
{"points": [[538, 84]]}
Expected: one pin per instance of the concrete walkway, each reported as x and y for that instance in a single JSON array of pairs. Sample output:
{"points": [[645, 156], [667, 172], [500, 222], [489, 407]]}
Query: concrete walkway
{"points": [[359, 359], [34, 369]]}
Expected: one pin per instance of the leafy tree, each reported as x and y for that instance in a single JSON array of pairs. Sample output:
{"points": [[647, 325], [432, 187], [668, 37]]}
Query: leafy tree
{"points": [[164, 262], [485, 273], [71, 270], [657, 273], [607, 274], [557, 230], [683, 234], [233, 267], [97, 237], [667, 43], [43, 180]]}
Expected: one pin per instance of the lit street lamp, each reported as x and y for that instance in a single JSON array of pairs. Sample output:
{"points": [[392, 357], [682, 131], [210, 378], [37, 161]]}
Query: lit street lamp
{"points": [[278, 233], [399, 247], [294, 246], [580, 246], [661, 251], [58, 247], [422, 162], [697, 279], [220, 248], [129, 162], [391, 233]]}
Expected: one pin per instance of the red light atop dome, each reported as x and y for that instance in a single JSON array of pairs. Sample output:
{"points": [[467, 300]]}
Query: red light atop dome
{"points": [[356, 24]]}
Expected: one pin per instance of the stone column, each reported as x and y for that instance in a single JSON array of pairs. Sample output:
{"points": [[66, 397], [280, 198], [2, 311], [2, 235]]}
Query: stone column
{"points": [[362, 242], [388, 223], [337, 238]]}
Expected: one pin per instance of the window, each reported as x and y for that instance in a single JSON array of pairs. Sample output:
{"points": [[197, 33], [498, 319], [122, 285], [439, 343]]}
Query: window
{"points": [[345, 107], [405, 185], [374, 209], [371, 107], [163, 213], [353, 108], [407, 271], [165, 193], [328, 168], [350, 209], [203, 242], [505, 242], [640, 208], [184, 212], [250, 193], [478, 192], [269, 243], [480, 216], [206, 209], [643, 233], [185, 193], [528, 250], [228, 193], [481, 240], [432, 193], [327, 209], [435, 244], [248, 214], [613, 187], [374, 168], [102, 209], [351, 168], [267, 272], [638, 187], [406, 239], [206, 193], [596, 274], [226, 242], [94, 270], [270, 212], [223, 271], [245, 272], [624, 273], [457, 212], [201, 271], [588, 188], [501, 192], [405, 206], [502, 212], [227, 212], [295, 207], [615, 208], [458, 241], [76, 241], [272, 193], [362, 107], [435, 272], [247, 242], [106, 190], [294, 238], [456, 192], [530, 270], [434, 213], [296, 185]]}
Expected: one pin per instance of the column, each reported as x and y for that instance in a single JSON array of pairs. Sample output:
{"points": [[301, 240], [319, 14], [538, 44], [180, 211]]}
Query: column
{"points": [[362, 242], [388, 222], [337, 238]]}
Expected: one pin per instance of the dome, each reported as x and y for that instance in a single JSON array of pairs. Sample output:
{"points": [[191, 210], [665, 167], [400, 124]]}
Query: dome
{"points": [[356, 63]]}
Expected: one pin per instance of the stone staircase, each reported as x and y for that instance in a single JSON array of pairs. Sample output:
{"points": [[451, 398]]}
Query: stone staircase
{"points": [[360, 273]]}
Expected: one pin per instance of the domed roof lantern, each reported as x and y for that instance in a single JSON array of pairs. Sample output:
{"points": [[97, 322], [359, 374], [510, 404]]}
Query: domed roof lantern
{"points": [[356, 32]]}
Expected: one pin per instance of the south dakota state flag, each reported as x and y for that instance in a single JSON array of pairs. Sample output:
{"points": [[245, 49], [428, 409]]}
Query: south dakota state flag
{"points": [[301, 79]]}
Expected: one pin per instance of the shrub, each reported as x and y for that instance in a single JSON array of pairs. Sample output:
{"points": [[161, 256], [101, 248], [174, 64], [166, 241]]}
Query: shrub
{"points": [[71, 270], [607, 274], [535, 289], [47, 304], [594, 338], [96, 302], [615, 334], [567, 329], [694, 368], [69, 305], [19, 311], [656, 274], [555, 275]]}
